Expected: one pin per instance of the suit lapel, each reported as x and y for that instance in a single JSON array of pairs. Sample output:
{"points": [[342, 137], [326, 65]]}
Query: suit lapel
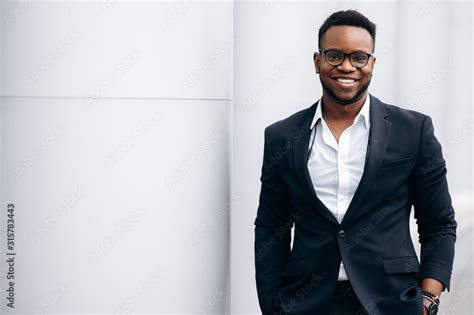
{"points": [[378, 137], [301, 136]]}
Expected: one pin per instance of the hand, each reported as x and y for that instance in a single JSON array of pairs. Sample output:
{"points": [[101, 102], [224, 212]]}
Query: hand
{"points": [[425, 311]]}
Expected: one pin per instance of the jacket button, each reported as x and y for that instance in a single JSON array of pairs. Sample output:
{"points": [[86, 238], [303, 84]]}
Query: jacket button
{"points": [[341, 233]]}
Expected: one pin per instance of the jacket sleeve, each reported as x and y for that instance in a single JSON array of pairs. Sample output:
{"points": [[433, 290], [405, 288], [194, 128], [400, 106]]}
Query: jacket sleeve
{"points": [[272, 230], [434, 213]]}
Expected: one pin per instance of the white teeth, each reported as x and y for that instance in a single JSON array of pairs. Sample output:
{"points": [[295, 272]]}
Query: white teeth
{"points": [[345, 80]]}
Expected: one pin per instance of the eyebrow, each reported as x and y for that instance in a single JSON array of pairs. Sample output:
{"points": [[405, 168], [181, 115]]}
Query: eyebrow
{"points": [[358, 50]]}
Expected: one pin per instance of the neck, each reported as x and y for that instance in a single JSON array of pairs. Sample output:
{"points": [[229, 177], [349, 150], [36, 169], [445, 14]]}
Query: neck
{"points": [[335, 111]]}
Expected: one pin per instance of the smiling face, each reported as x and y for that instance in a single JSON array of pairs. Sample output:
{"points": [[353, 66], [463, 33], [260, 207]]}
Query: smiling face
{"points": [[345, 84]]}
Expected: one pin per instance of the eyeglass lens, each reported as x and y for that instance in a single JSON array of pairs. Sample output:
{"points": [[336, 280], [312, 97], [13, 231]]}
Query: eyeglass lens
{"points": [[357, 59]]}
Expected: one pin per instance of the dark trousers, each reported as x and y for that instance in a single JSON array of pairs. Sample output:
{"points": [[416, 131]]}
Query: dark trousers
{"points": [[345, 302]]}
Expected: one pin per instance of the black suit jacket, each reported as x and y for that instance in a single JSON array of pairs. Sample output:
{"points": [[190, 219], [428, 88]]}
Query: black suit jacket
{"points": [[404, 168]]}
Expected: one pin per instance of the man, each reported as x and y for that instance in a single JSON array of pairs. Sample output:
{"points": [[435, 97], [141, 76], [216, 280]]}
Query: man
{"points": [[346, 172]]}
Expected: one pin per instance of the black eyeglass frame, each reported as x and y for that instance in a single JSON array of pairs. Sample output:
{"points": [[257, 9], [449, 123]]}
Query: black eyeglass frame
{"points": [[350, 57]]}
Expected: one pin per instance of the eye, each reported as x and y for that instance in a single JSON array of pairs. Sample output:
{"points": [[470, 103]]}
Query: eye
{"points": [[333, 56], [359, 57]]}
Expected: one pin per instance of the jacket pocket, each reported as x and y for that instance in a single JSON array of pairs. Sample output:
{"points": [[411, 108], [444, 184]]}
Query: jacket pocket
{"points": [[399, 162], [401, 264]]}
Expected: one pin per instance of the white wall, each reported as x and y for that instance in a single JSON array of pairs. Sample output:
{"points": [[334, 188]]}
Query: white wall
{"points": [[132, 133], [424, 62], [116, 122]]}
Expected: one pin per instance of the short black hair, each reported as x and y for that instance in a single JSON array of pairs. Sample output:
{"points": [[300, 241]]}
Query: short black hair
{"points": [[349, 18]]}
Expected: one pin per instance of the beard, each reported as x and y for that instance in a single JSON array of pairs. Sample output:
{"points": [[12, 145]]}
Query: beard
{"points": [[340, 101]]}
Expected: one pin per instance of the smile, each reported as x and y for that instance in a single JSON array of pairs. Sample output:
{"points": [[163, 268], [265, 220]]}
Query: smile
{"points": [[345, 81]]}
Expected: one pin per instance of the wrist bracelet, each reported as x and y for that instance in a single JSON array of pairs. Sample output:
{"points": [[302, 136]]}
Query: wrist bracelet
{"points": [[429, 295]]}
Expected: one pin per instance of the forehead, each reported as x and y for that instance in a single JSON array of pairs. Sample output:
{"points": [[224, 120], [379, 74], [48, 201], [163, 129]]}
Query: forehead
{"points": [[347, 38]]}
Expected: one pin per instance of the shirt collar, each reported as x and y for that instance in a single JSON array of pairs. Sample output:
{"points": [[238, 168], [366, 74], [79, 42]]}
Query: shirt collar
{"points": [[364, 113]]}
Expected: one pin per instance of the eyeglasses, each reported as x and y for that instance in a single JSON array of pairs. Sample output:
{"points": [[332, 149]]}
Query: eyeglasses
{"points": [[357, 59]]}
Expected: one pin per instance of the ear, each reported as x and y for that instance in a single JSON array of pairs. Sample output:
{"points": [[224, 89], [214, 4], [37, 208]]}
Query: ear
{"points": [[374, 59], [317, 61]]}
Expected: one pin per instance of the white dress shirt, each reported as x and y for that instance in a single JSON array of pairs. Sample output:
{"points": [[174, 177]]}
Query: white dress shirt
{"points": [[336, 168]]}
